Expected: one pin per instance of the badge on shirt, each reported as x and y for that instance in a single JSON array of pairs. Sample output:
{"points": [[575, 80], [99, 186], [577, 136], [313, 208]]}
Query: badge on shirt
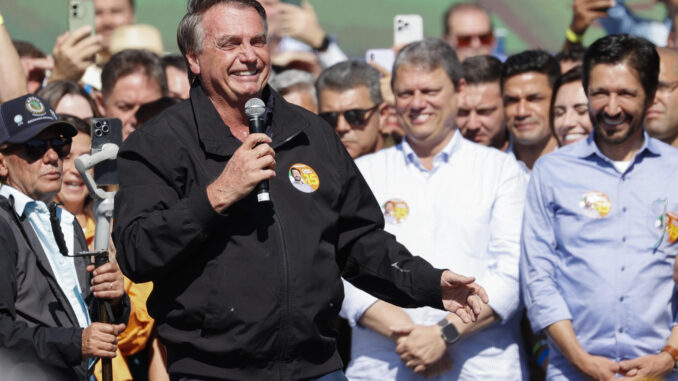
{"points": [[595, 204], [304, 178], [395, 211], [669, 221]]}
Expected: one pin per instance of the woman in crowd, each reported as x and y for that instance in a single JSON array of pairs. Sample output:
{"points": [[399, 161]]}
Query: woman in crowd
{"points": [[67, 97], [569, 108]]}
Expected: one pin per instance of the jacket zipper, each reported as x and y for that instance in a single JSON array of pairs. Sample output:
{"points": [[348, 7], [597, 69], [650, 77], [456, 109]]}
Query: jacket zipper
{"points": [[284, 325]]}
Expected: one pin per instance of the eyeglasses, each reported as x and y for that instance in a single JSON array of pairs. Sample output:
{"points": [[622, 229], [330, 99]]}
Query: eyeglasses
{"points": [[355, 117], [36, 148], [465, 41]]}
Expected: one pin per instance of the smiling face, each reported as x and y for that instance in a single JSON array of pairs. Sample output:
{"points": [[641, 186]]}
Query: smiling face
{"points": [[39, 179], [426, 102], [481, 114], [111, 14], [527, 99], [234, 64], [73, 190], [617, 103], [571, 120]]}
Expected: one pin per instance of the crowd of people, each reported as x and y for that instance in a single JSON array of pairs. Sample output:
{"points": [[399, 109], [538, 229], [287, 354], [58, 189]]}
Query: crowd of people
{"points": [[545, 178]]}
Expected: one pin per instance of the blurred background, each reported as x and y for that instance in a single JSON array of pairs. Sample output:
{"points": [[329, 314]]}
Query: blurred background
{"points": [[357, 24]]}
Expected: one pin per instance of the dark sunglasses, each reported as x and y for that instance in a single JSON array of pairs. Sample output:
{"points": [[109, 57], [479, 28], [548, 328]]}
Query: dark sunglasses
{"points": [[466, 41], [355, 117], [36, 148]]}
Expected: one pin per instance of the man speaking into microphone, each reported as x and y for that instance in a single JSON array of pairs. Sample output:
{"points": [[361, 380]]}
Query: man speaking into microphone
{"points": [[246, 290]]}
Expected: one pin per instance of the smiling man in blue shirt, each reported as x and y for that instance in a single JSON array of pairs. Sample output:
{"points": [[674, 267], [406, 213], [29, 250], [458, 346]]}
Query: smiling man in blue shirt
{"points": [[599, 234]]}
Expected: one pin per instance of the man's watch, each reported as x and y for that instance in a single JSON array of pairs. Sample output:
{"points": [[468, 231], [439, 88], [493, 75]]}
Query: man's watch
{"points": [[449, 332], [673, 351]]}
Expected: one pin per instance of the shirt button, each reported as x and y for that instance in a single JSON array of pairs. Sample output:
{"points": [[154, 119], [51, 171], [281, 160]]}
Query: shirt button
{"points": [[623, 268], [621, 299], [623, 239], [621, 330], [624, 209]]}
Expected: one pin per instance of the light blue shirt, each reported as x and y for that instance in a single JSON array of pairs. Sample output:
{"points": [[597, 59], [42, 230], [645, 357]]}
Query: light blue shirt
{"points": [[62, 267], [594, 250], [464, 214], [620, 20]]}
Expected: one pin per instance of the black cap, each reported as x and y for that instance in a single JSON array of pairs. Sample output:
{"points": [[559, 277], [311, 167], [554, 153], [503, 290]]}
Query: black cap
{"points": [[23, 118]]}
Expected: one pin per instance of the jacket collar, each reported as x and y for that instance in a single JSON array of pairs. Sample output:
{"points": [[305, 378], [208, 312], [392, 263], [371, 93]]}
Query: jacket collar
{"points": [[281, 122]]}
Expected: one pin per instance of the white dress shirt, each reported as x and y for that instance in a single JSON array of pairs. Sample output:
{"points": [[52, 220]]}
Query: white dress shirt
{"points": [[465, 214]]}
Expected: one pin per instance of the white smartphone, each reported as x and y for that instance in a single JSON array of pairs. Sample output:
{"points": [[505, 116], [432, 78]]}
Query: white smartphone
{"points": [[383, 57], [80, 13], [407, 28]]}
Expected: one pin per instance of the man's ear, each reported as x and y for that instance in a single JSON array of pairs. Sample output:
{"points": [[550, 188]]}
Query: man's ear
{"points": [[193, 63], [99, 99], [461, 86], [4, 171], [384, 112]]}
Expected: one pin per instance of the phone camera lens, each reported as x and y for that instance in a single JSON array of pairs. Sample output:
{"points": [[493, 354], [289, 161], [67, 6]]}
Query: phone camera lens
{"points": [[97, 124], [98, 132], [105, 129]]}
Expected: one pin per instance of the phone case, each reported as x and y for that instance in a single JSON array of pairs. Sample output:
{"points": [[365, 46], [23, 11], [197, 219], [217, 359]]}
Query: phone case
{"points": [[106, 130], [407, 28], [80, 13]]}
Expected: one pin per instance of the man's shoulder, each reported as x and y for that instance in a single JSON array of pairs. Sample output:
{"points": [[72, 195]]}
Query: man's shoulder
{"points": [[169, 128], [383, 157]]}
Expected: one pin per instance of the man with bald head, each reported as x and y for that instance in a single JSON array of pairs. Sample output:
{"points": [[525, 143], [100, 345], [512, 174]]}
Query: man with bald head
{"points": [[661, 119], [468, 29]]}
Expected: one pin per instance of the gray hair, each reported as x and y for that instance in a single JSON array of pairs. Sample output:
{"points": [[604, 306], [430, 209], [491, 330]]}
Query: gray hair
{"points": [[429, 54], [191, 35], [348, 75], [291, 80]]}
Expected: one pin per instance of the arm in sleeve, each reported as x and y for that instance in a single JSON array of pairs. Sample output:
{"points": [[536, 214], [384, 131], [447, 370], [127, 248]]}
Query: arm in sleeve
{"points": [[620, 19], [356, 302], [370, 258], [545, 305], [501, 277], [155, 223], [56, 346]]}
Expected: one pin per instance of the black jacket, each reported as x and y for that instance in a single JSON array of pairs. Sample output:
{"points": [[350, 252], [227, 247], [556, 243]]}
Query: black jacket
{"points": [[37, 323], [250, 294]]}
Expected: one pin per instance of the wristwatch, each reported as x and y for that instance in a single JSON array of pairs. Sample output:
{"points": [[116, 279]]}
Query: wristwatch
{"points": [[673, 351], [448, 332]]}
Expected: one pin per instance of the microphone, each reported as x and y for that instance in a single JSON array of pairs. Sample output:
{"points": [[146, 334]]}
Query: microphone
{"points": [[255, 109]]}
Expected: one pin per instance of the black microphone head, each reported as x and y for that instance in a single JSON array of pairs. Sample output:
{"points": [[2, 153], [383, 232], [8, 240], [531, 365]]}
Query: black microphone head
{"points": [[255, 108]]}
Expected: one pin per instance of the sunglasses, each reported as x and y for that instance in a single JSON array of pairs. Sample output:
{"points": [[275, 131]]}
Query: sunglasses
{"points": [[465, 41], [36, 148], [355, 117]]}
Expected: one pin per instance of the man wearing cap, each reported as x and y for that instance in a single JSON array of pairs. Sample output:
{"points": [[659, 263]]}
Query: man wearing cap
{"points": [[44, 295]]}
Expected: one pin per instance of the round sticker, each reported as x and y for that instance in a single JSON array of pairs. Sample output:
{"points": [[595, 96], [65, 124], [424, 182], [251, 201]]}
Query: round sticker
{"points": [[595, 204], [34, 105], [18, 119], [395, 211], [304, 178]]}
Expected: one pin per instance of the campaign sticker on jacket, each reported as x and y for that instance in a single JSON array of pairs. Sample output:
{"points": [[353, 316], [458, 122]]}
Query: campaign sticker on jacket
{"points": [[595, 204], [304, 178], [395, 211]]}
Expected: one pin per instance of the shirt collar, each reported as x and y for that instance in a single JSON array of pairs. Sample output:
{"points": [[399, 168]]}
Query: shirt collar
{"points": [[20, 199], [444, 155], [589, 147]]}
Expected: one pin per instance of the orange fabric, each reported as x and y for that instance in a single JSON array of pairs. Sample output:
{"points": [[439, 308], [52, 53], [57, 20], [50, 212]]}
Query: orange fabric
{"points": [[135, 337], [89, 231]]}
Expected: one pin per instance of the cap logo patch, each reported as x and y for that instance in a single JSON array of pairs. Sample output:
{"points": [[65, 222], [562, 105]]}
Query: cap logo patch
{"points": [[34, 106], [595, 204]]}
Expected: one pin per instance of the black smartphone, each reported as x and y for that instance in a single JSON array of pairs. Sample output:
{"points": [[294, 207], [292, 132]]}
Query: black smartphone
{"points": [[106, 130]]}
